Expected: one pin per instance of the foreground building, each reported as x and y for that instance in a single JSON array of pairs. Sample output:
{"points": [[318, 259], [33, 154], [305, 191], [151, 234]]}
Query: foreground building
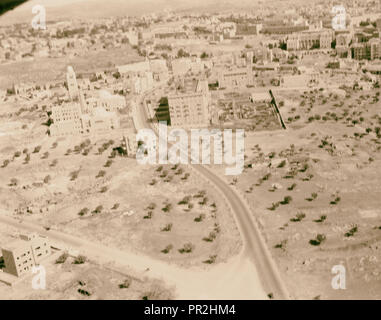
{"points": [[24, 253]]}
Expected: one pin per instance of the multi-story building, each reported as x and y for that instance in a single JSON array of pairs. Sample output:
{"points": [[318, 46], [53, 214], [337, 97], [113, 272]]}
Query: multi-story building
{"points": [[190, 109], [67, 120], [308, 40], [375, 48], [361, 51], [72, 85], [24, 253]]}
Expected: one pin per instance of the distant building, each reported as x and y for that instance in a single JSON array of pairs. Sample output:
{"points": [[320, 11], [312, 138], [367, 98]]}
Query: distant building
{"points": [[260, 97], [24, 253], [361, 51], [235, 78], [309, 40], [375, 48], [136, 67]]}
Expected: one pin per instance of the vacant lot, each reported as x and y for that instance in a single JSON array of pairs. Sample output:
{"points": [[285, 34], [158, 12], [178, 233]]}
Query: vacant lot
{"points": [[314, 190]]}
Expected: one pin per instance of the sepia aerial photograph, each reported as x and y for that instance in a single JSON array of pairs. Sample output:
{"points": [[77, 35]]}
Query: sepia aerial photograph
{"points": [[190, 150]]}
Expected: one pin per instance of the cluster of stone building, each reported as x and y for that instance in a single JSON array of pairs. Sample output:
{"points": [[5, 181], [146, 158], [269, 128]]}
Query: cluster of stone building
{"points": [[81, 116]]}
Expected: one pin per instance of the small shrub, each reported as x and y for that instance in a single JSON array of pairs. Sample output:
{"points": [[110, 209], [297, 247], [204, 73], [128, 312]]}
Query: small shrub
{"points": [[83, 212], [126, 284], [351, 232], [187, 248], [299, 217], [212, 235], [80, 260], [321, 219], [211, 260], [62, 258], [292, 187], [286, 200], [318, 240], [199, 218], [167, 249]]}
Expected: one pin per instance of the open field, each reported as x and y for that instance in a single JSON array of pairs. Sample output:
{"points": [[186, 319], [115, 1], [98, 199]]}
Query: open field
{"points": [[80, 186], [314, 191], [43, 70]]}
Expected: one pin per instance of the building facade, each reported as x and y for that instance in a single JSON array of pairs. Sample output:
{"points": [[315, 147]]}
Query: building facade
{"points": [[190, 109], [309, 40], [21, 255]]}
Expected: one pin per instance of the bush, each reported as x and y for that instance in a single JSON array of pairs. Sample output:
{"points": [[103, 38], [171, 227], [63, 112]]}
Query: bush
{"points": [[282, 164], [286, 200], [148, 216], [126, 284], [80, 260], [13, 182], [74, 175], [101, 174], [321, 219], [290, 188], [199, 218], [84, 292], [47, 179], [98, 209], [37, 149], [318, 240], [273, 206], [351, 232], [5, 163], [187, 248], [83, 212], [212, 235], [299, 217], [167, 249], [211, 260], [62, 258], [281, 245], [167, 207], [108, 163]]}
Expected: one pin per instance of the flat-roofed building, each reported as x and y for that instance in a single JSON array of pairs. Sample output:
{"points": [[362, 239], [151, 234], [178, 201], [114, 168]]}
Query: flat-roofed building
{"points": [[66, 120], [136, 67], [308, 40], [236, 78], [190, 109], [375, 48], [22, 254]]}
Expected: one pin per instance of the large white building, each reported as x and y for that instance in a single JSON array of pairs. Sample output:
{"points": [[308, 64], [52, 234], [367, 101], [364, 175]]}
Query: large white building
{"points": [[190, 109], [308, 40]]}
